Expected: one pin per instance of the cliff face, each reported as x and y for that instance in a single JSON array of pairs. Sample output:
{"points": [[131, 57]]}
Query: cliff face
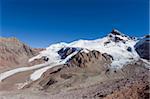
{"points": [[143, 47], [15, 53]]}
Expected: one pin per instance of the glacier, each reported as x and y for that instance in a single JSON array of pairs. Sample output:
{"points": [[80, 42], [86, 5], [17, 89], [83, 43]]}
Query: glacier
{"points": [[114, 45]]}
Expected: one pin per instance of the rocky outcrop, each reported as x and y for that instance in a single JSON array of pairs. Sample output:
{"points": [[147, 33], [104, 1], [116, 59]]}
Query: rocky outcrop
{"points": [[117, 36], [116, 32], [82, 59], [15, 53], [66, 51], [143, 47]]}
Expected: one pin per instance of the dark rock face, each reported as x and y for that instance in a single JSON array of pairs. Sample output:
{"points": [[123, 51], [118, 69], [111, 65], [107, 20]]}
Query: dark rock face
{"points": [[116, 32], [147, 36], [143, 47], [129, 49], [107, 56], [64, 52], [116, 35]]}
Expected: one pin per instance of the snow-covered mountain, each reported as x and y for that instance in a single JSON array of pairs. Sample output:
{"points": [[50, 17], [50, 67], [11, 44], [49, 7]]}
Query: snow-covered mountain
{"points": [[110, 64], [116, 44], [89, 68]]}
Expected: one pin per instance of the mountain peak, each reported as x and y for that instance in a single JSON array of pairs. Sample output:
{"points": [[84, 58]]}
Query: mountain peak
{"points": [[117, 36], [116, 32]]}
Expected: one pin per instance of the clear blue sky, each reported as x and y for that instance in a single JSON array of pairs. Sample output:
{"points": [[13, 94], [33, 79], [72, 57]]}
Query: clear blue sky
{"points": [[40, 23]]}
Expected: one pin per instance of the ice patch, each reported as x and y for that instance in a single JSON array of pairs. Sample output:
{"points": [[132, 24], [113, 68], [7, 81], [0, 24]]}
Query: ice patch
{"points": [[38, 73], [18, 70]]}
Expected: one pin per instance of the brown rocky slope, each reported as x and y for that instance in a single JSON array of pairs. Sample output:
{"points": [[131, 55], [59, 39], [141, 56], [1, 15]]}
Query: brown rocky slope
{"points": [[14, 53], [89, 76]]}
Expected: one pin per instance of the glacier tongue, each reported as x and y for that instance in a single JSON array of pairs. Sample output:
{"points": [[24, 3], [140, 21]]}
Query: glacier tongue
{"points": [[38, 73]]}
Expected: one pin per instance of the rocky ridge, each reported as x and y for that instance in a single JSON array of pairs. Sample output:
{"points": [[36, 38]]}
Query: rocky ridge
{"points": [[15, 53]]}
